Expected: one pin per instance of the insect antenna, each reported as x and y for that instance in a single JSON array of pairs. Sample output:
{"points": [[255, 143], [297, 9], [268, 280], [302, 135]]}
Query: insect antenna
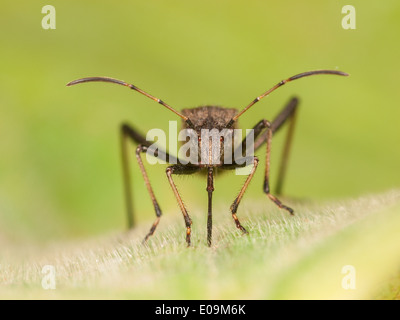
{"points": [[123, 83], [295, 77]]}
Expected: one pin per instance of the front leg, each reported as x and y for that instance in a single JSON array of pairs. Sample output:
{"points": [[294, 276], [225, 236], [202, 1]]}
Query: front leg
{"points": [[139, 150], [239, 197], [237, 200], [264, 125], [129, 133], [184, 170]]}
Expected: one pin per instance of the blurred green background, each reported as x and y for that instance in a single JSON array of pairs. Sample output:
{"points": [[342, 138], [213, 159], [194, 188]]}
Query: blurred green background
{"points": [[60, 174]]}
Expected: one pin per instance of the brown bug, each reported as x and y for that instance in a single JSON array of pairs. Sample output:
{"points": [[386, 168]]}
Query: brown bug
{"points": [[209, 118]]}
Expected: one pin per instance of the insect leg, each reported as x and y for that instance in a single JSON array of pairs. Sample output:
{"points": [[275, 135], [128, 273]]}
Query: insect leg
{"points": [[266, 180], [139, 150], [127, 132], [287, 114], [184, 170], [257, 129], [237, 200]]}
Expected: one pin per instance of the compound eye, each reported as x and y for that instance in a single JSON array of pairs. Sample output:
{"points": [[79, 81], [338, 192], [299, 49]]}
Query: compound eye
{"points": [[221, 139]]}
